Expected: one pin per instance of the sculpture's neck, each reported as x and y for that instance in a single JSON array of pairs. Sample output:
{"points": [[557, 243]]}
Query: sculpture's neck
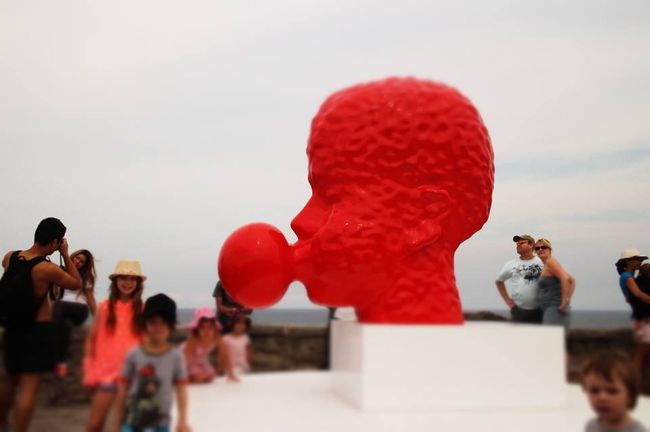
{"points": [[422, 291]]}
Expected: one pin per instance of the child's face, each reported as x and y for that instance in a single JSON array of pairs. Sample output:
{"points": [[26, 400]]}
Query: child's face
{"points": [[207, 327], [609, 399], [239, 327], [126, 285], [156, 329]]}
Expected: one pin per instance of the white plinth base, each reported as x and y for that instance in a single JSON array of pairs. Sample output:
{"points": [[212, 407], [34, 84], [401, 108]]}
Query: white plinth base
{"points": [[436, 367], [304, 401]]}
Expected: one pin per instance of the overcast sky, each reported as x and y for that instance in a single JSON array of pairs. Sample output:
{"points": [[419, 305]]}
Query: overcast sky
{"points": [[153, 129]]}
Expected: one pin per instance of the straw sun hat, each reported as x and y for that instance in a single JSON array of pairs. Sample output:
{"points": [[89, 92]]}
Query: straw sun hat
{"points": [[128, 268]]}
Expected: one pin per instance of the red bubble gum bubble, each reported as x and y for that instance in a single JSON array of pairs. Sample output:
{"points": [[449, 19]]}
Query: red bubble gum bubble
{"points": [[255, 265]]}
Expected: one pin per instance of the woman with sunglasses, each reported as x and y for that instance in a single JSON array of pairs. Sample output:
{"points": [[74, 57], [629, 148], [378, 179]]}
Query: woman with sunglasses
{"points": [[555, 286]]}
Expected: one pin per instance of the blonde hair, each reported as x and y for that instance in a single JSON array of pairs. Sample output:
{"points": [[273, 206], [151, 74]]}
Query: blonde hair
{"points": [[545, 242]]}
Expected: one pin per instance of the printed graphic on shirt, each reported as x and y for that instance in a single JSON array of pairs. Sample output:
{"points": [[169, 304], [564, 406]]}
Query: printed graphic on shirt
{"points": [[530, 273], [144, 406]]}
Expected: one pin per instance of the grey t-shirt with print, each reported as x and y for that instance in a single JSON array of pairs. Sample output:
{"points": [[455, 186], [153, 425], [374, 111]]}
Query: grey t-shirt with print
{"points": [[595, 426], [152, 378]]}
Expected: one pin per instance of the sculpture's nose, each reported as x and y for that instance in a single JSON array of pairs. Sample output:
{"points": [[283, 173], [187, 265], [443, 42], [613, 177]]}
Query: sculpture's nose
{"points": [[310, 219]]}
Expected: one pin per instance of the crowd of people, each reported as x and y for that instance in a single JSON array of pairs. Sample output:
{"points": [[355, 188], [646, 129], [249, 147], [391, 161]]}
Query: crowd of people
{"points": [[129, 364], [133, 369], [539, 291]]}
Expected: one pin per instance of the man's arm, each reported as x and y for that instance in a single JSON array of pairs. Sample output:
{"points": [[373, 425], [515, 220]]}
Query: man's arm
{"points": [[53, 274], [501, 286], [70, 278], [48, 273]]}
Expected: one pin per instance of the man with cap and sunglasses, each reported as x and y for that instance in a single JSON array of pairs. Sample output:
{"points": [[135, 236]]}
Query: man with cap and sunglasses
{"points": [[522, 274]]}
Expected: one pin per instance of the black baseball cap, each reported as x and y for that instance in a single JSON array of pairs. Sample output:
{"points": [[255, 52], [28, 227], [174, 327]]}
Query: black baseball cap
{"points": [[162, 306]]}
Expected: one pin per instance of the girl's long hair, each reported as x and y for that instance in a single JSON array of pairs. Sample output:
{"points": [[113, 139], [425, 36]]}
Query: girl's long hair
{"points": [[136, 304], [87, 271]]}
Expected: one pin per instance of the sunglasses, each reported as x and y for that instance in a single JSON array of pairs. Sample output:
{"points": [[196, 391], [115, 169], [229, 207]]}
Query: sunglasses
{"points": [[541, 247]]}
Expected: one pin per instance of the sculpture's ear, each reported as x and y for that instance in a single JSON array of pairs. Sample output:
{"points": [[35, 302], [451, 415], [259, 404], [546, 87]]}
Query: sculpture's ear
{"points": [[433, 205]]}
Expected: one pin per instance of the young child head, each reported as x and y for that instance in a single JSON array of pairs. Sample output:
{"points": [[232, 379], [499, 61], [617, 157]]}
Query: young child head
{"points": [[240, 324], [204, 322], [644, 271], [159, 316], [611, 384]]}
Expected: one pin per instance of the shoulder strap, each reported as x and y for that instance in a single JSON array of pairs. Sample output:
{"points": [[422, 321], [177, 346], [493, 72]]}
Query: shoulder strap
{"points": [[13, 258], [30, 264], [11, 265], [37, 260]]}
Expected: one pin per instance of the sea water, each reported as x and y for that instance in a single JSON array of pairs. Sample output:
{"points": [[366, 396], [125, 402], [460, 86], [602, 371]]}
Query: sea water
{"points": [[580, 319]]}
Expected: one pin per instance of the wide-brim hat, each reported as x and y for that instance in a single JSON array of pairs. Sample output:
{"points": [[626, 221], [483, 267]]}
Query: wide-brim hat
{"points": [[632, 253], [203, 313], [127, 268]]}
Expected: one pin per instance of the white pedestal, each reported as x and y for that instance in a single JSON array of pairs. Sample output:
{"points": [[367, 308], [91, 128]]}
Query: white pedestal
{"points": [[437, 367]]}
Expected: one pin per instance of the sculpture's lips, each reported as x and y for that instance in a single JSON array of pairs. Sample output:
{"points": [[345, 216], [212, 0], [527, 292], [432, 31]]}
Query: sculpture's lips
{"points": [[301, 263]]}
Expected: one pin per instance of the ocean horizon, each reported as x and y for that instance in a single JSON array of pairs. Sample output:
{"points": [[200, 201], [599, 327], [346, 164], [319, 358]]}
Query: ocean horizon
{"points": [[579, 319]]}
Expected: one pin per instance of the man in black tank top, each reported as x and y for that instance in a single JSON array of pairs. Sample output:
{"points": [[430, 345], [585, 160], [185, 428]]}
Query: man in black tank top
{"points": [[28, 349]]}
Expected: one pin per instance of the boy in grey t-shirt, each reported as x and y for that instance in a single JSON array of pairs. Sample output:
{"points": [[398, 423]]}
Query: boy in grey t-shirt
{"points": [[150, 373]]}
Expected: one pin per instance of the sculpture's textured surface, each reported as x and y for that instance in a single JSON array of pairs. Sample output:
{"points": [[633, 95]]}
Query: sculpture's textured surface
{"points": [[401, 172]]}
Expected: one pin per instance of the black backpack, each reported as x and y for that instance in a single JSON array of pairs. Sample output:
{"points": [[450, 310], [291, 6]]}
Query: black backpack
{"points": [[18, 302]]}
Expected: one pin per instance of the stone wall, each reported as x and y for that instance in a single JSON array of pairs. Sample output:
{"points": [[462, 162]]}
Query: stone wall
{"points": [[284, 348], [275, 348]]}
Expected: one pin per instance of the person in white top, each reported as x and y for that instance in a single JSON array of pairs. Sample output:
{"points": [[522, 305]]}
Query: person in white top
{"points": [[522, 274], [73, 308]]}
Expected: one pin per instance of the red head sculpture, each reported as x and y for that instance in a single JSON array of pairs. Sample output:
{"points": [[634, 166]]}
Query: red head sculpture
{"points": [[401, 172]]}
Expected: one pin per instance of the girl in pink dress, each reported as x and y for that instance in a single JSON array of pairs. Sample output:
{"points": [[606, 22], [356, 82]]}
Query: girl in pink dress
{"points": [[115, 331], [238, 345], [203, 339]]}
